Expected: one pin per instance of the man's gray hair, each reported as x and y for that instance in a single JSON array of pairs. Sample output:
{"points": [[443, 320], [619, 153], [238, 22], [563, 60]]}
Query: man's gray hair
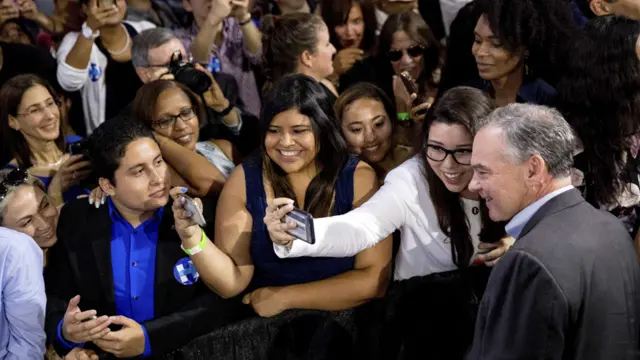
{"points": [[536, 130], [148, 40]]}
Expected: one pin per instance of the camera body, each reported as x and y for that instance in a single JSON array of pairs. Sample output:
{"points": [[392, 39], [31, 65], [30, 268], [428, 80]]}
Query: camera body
{"points": [[186, 73]]}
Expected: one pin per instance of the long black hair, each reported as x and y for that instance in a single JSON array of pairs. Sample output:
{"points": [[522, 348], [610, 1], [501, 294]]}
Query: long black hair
{"points": [[464, 106], [303, 93], [599, 95]]}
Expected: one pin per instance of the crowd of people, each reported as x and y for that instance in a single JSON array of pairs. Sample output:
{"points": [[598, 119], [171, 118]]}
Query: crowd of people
{"points": [[474, 186]]}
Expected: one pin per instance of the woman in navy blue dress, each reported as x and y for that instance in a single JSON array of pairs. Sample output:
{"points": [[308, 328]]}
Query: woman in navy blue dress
{"points": [[303, 157], [32, 137]]}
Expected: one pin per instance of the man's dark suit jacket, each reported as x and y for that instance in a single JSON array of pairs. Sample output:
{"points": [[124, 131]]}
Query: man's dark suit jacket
{"points": [[568, 289], [80, 263]]}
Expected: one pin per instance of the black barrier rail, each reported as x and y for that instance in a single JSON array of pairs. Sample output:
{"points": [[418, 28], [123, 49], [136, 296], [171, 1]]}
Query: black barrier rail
{"points": [[429, 317]]}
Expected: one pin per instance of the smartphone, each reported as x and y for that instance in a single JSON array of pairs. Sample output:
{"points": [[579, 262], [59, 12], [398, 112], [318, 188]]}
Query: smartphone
{"points": [[412, 88], [304, 225], [196, 213], [75, 148]]}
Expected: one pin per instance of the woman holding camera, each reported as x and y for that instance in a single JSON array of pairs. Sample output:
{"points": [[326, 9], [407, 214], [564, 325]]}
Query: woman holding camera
{"points": [[32, 135]]}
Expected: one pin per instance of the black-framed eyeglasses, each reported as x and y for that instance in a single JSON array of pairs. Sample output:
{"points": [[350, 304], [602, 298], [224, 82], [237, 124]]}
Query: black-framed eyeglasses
{"points": [[439, 154], [414, 51], [185, 115], [15, 177]]}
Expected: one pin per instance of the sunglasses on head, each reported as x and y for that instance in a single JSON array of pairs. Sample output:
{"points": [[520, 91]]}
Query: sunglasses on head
{"points": [[414, 51], [15, 177]]}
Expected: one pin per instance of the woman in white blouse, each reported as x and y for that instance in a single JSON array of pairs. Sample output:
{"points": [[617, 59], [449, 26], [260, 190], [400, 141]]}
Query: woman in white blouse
{"points": [[443, 225]]}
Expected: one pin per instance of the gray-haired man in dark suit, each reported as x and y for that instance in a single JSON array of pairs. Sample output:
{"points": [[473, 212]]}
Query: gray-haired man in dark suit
{"points": [[570, 286]]}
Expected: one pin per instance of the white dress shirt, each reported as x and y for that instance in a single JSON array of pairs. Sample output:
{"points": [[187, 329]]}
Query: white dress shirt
{"points": [[403, 203]]}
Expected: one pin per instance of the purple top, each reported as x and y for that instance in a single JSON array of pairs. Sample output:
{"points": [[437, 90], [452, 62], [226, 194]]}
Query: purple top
{"points": [[234, 59]]}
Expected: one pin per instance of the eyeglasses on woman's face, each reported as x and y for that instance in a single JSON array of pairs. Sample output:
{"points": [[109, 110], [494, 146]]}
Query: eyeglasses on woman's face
{"points": [[414, 51], [439, 154], [169, 121]]}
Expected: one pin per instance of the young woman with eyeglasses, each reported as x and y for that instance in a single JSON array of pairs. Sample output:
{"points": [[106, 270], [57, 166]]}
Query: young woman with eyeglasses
{"points": [[31, 129], [444, 228]]}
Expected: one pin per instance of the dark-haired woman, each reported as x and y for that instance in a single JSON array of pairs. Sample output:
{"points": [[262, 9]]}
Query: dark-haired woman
{"points": [[297, 43], [174, 112], [352, 30], [518, 48], [599, 95], [366, 117], [407, 44], [303, 157], [443, 227], [31, 128]]}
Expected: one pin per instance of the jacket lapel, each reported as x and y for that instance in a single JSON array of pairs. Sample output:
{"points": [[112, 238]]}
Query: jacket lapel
{"points": [[565, 200], [168, 240], [100, 233]]}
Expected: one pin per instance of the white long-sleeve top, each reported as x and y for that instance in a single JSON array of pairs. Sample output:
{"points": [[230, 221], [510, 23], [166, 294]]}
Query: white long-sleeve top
{"points": [[403, 203], [90, 80]]}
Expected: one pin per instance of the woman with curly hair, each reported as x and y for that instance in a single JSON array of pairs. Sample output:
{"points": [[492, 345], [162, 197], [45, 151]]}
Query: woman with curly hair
{"points": [[517, 44], [599, 95]]}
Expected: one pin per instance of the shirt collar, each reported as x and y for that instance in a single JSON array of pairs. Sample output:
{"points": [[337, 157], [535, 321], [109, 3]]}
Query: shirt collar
{"points": [[115, 216], [517, 223]]}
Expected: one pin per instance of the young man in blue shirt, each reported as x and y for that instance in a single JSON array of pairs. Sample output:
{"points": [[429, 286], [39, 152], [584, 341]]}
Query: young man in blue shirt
{"points": [[125, 260]]}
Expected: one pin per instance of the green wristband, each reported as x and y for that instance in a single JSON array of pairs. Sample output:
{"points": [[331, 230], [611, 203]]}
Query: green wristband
{"points": [[196, 249], [403, 116]]}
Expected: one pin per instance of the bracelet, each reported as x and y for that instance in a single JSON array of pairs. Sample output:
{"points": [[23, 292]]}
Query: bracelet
{"points": [[226, 111], [198, 248], [403, 116], [245, 22]]}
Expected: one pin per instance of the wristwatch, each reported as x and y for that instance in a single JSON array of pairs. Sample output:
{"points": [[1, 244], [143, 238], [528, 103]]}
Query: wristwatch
{"points": [[88, 33]]}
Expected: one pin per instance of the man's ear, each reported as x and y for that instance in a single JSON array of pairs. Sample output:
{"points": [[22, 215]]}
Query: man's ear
{"points": [[143, 74], [537, 168], [600, 7], [106, 186]]}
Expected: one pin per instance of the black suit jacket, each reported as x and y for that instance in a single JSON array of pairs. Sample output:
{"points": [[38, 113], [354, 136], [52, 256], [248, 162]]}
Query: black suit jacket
{"points": [[80, 263], [568, 289]]}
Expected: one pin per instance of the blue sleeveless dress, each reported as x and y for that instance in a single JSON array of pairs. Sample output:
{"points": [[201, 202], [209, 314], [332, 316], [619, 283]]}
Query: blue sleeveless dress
{"points": [[270, 270]]}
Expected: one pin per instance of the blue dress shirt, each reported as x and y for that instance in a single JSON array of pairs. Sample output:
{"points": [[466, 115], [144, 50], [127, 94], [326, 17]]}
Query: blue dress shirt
{"points": [[518, 222], [133, 262], [22, 297]]}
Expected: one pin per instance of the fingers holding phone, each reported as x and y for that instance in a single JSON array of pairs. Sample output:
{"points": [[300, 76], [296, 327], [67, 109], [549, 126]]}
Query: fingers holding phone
{"points": [[187, 214], [274, 213]]}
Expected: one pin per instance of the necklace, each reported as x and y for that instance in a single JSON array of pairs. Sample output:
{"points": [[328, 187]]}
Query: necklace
{"points": [[47, 165]]}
